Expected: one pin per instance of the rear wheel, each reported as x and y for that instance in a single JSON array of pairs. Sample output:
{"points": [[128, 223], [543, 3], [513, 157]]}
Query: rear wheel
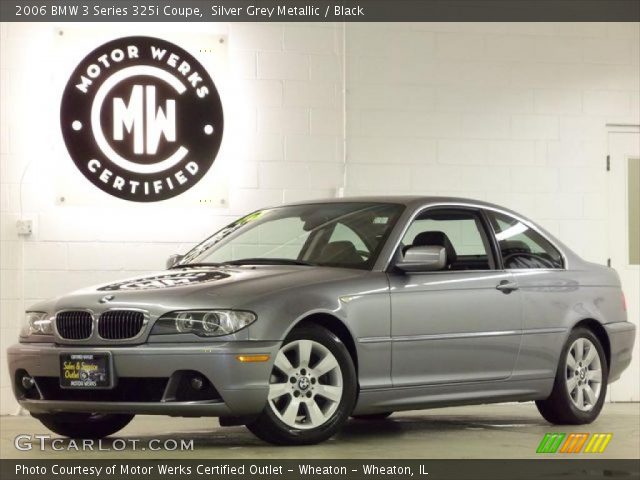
{"points": [[84, 425], [312, 389], [580, 385]]}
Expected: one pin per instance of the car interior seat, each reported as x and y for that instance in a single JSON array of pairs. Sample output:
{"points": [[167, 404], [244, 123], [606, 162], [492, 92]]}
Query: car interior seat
{"points": [[342, 252], [509, 247], [517, 255]]}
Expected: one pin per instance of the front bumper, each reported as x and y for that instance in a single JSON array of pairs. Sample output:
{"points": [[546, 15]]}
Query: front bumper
{"points": [[622, 336], [149, 379]]}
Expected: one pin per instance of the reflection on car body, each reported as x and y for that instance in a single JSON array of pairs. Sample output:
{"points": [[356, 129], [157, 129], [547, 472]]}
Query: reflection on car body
{"points": [[293, 318]]}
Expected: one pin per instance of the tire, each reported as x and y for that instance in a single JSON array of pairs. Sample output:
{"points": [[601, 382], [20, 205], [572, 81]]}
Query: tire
{"points": [[579, 390], [297, 412], [373, 416], [84, 425]]}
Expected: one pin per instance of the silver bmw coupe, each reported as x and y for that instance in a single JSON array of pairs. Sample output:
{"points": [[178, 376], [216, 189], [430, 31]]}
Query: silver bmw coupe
{"points": [[292, 319]]}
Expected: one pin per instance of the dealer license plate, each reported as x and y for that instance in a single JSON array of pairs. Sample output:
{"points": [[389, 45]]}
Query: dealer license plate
{"points": [[85, 370]]}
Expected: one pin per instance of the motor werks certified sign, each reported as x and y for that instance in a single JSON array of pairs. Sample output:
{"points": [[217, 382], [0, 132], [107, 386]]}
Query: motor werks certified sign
{"points": [[141, 119]]}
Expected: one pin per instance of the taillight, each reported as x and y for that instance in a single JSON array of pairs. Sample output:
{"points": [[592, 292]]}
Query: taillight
{"points": [[624, 302]]}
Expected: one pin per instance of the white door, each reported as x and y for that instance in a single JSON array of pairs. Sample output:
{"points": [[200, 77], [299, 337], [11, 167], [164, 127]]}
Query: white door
{"points": [[624, 249]]}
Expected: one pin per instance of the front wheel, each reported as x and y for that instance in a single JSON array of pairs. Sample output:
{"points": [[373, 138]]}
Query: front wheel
{"points": [[581, 381], [312, 389], [84, 425]]}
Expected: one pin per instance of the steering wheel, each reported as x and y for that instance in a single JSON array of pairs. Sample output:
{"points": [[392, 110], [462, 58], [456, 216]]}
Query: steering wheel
{"points": [[518, 258]]}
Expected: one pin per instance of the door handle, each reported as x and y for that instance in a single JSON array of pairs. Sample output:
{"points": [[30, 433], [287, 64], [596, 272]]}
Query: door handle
{"points": [[505, 286]]}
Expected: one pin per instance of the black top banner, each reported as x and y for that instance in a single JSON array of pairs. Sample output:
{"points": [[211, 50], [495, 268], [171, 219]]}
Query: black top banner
{"points": [[320, 11]]}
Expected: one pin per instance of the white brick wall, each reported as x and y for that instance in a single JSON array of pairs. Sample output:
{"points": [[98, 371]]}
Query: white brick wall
{"points": [[512, 113], [517, 114]]}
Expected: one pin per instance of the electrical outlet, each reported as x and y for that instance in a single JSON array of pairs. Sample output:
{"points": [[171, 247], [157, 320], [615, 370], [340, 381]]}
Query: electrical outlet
{"points": [[25, 227]]}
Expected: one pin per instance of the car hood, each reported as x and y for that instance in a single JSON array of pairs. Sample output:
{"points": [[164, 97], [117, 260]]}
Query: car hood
{"points": [[224, 287]]}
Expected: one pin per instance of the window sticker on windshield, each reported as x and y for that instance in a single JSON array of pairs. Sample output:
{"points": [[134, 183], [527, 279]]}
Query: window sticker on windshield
{"points": [[381, 220]]}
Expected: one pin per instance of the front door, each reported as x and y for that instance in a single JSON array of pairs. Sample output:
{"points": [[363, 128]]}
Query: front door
{"points": [[454, 325]]}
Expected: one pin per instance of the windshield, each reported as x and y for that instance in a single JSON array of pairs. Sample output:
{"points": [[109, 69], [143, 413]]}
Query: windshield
{"points": [[346, 235]]}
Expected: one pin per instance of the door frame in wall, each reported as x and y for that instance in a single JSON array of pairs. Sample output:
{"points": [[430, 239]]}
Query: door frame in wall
{"points": [[623, 143]]}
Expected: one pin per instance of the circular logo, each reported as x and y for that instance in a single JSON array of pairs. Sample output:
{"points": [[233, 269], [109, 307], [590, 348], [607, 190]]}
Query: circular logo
{"points": [[141, 119], [303, 383]]}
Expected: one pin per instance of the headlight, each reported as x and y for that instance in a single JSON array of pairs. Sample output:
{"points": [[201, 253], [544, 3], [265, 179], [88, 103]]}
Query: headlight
{"points": [[204, 323], [37, 323]]}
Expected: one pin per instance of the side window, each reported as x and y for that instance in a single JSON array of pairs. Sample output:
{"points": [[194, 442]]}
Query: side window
{"points": [[522, 247], [461, 233]]}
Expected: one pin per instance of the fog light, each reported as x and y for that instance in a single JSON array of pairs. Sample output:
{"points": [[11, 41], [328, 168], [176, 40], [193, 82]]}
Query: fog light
{"points": [[28, 382], [196, 383]]}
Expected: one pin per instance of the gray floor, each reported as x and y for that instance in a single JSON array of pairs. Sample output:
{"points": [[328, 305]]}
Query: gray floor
{"points": [[490, 431]]}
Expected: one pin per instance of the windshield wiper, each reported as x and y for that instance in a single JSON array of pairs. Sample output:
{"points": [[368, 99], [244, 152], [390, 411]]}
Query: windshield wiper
{"points": [[196, 265], [267, 261]]}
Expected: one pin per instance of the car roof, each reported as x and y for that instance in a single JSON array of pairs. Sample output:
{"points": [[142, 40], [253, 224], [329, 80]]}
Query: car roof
{"points": [[407, 200]]}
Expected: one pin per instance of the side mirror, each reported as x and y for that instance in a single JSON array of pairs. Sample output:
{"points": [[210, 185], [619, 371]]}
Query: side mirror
{"points": [[173, 260], [426, 258]]}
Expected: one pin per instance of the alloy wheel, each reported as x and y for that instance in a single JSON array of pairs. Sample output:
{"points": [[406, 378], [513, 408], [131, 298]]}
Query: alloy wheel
{"points": [[583, 374], [306, 384]]}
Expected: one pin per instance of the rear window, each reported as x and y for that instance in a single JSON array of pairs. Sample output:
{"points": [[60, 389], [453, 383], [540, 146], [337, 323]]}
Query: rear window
{"points": [[521, 247]]}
